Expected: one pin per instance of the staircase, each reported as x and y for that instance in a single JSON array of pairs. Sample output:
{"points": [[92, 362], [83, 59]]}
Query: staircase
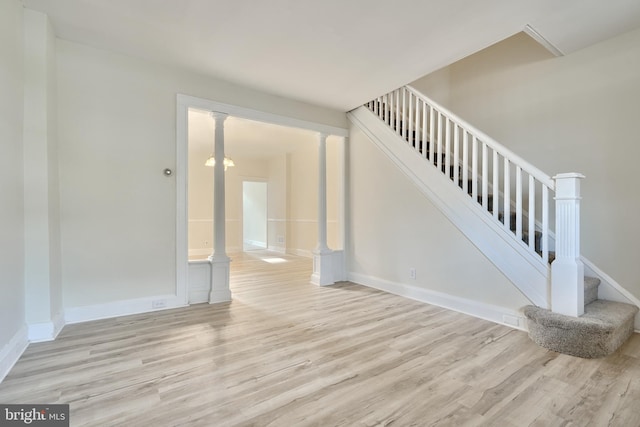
{"points": [[503, 205]]}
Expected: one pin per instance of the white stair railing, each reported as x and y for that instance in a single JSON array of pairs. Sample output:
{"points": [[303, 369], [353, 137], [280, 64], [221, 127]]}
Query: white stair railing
{"points": [[503, 185]]}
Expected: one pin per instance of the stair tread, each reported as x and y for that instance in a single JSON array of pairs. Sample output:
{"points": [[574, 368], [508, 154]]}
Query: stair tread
{"points": [[590, 289], [591, 282], [603, 328], [600, 314]]}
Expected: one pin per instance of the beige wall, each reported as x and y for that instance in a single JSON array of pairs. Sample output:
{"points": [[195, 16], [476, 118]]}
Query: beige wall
{"points": [[394, 227], [436, 85], [277, 204], [117, 133], [12, 303], [291, 171], [302, 225], [576, 113]]}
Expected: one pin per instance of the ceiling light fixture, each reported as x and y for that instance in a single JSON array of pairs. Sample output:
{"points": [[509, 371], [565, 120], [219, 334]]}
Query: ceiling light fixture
{"points": [[228, 163]]}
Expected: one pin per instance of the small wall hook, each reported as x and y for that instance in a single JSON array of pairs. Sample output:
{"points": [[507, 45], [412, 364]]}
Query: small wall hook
{"points": [[168, 172]]}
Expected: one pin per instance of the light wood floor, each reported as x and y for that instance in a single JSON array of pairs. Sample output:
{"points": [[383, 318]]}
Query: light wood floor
{"points": [[287, 353]]}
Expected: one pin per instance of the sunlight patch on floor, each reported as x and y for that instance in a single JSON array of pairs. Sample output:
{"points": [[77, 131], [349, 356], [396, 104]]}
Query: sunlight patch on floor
{"points": [[274, 260]]}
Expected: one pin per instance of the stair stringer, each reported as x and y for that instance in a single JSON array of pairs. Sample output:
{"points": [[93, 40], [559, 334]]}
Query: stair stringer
{"points": [[524, 269]]}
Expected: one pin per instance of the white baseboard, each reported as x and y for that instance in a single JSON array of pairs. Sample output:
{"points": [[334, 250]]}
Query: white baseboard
{"points": [[46, 331], [255, 243], [209, 251], [611, 290], [11, 352], [122, 308], [503, 316], [277, 249], [198, 296], [300, 252]]}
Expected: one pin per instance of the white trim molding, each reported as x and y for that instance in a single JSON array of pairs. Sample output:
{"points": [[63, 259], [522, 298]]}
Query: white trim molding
{"points": [[122, 308], [183, 104], [277, 249], [534, 34], [257, 115], [11, 352], [501, 315], [300, 252]]}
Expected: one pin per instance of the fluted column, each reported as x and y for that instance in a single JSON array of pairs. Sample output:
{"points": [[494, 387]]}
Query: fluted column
{"points": [[322, 255], [567, 271], [219, 260]]}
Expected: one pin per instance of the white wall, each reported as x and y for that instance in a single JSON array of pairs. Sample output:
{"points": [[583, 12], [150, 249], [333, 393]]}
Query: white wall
{"points": [[576, 113], [394, 227], [12, 302], [117, 133]]}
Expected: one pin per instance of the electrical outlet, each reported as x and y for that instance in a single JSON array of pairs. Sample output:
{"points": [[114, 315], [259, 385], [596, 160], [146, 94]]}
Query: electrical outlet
{"points": [[412, 273], [159, 303], [280, 239]]}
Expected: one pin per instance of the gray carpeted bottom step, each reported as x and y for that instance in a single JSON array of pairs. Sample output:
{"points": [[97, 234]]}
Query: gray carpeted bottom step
{"points": [[603, 328]]}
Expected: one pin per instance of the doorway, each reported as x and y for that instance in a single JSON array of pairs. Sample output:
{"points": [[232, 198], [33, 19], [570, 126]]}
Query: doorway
{"points": [[254, 215]]}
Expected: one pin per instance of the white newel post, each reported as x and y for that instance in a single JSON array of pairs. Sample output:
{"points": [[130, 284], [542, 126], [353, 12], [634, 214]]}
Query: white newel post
{"points": [[220, 291], [567, 271], [322, 255]]}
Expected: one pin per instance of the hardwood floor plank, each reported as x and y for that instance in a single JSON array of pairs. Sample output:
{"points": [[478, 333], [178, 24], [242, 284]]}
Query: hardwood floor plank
{"points": [[287, 353]]}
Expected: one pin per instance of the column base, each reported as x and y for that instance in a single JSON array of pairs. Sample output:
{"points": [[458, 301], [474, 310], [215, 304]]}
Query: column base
{"points": [[567, 287], [220, 291], [322, 268]]}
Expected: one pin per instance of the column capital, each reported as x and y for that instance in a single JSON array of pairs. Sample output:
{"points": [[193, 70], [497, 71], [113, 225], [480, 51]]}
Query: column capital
{"points": [[322, 136], [218, 115]]}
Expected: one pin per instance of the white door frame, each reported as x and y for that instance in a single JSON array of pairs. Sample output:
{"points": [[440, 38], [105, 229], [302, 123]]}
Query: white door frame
{"points": [[266, 182], [186, 102]]}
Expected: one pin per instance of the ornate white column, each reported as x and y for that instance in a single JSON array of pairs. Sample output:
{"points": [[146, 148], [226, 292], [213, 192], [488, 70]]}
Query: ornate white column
{"points": [[322, 255], [567, 271], [219, 260]]}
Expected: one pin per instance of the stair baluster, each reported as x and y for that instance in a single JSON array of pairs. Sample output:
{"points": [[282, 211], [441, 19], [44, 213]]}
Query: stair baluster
{"points": [[485, 174]]}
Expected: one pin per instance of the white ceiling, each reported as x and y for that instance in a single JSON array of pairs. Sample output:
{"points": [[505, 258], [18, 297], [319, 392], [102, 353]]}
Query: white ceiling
{"points": [[335, 53]]}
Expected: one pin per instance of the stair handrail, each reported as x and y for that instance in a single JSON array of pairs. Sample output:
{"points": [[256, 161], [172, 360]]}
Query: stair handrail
{"points": [[504, 151], [420, 124]]}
